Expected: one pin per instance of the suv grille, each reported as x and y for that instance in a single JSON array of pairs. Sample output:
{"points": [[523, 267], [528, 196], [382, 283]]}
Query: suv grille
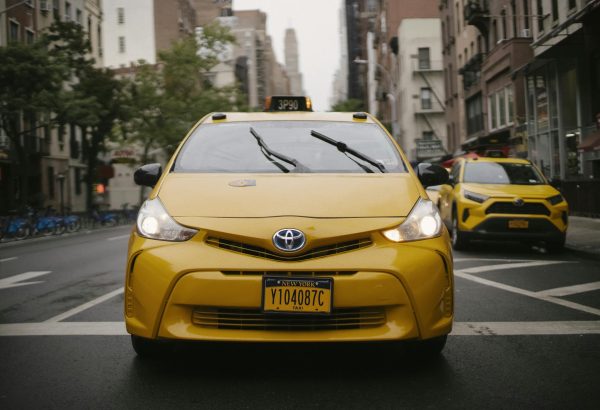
{"points": [[254, 319], [312, 253], [532, 208]]}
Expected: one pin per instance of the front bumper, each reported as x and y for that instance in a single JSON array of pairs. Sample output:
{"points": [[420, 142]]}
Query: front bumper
{"points": [[410, 285]]}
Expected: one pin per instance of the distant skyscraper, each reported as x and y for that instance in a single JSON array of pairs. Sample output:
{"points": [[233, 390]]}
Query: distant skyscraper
{"points": [[291, 62]]}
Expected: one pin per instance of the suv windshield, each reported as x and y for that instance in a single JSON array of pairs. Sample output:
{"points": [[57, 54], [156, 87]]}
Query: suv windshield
{"points": [[223, 148], [502, 173]]}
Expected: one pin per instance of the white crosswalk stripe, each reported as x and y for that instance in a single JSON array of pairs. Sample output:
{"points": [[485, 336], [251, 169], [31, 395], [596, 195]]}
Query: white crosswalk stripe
{"points": [[17, 280]]}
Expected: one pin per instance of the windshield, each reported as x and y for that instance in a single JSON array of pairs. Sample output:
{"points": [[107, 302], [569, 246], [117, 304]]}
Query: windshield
{"points": [[501, 173], [232, 148]]}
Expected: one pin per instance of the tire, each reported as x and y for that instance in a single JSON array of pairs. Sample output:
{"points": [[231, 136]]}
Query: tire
{"points": [[48, 230], [60, 228], [556, 246], [459, 242], [110, 222], [149, 347], [428, 348], [23, 232], [74, 226]]}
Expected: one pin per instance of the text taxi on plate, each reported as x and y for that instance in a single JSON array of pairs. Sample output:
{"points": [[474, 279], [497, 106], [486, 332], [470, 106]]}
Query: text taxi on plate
{"points": [[502, 198], [289, 225]]}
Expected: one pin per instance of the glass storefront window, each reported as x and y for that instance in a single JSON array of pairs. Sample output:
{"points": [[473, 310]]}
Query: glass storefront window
{"points": [[502, 108], [509, 98], [541, 102], [555, 155], [543, 154], [492, 111]]}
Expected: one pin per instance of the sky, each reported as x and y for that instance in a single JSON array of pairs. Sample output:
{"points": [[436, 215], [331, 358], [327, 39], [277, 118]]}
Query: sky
{"points": [[317, 30]]}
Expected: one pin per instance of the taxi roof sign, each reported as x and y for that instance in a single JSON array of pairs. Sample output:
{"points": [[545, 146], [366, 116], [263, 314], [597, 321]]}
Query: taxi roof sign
{"points": [[288, 103]]}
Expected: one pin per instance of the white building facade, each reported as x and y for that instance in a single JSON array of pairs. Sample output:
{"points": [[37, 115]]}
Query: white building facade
{"points": [[420, 89]]}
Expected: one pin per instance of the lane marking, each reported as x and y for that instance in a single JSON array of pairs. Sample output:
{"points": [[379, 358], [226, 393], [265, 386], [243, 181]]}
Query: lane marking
{"points": [[12, 281], [114, 238], [493, 260], [8, 259], [489, 268], [85, 306], [534, 295], [571, 290], [64, 329], [459, 329], [525, 328]]}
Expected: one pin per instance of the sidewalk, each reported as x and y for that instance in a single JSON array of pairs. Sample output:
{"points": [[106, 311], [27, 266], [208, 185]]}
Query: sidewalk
{"points": [[583, 235]]}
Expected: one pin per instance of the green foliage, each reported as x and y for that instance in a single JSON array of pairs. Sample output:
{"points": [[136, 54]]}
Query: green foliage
{"points": [[350, 105]]}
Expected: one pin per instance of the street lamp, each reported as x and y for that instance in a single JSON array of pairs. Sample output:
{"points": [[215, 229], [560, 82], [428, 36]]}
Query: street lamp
{"points": [[61, 181], [391, 95]]}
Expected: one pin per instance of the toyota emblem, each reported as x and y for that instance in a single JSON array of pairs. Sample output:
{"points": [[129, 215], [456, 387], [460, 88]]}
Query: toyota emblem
{"points": [[289, 240], [518, 202]]}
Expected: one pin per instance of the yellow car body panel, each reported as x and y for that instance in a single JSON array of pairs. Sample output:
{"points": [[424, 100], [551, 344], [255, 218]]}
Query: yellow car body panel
{"points": [[175, 290]]}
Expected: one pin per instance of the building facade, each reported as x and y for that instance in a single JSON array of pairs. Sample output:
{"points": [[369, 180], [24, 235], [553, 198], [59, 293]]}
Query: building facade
{"points": [[292, 65]]}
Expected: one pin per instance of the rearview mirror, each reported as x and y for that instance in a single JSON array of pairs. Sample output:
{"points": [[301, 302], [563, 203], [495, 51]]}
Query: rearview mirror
{"points": [[147, 175], [430, 174]]}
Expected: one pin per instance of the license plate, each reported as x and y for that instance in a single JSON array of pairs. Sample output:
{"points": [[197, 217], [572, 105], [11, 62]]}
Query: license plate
{"points": [[297, 295], [518, 224]]}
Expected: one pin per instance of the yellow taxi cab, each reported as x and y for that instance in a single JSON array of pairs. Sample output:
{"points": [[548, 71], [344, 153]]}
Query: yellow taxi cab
{"points": [[502, 198], [289, 226]]}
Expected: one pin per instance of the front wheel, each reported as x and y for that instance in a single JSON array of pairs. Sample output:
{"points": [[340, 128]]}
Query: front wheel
{"points": [[557, 245], [459, 242], [149, 347], [429, 347]]}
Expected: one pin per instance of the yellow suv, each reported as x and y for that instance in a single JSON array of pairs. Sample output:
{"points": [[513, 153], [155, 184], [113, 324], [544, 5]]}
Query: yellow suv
{"points": [[502, 198], [289, 226]]}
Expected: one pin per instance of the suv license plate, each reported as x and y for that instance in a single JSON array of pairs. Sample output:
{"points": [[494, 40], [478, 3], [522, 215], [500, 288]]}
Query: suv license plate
{"points": [[297, 295], [518, 224]]}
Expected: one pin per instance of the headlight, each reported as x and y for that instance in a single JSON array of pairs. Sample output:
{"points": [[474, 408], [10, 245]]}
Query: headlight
{"points": [[423, 222], [556, 199], [154, 222], [474, 196]]}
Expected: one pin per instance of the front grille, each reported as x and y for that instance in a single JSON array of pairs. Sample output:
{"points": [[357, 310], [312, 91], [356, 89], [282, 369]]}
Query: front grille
{"points": [[254, 319], [260, 252], [531, 208], [287, 273]]}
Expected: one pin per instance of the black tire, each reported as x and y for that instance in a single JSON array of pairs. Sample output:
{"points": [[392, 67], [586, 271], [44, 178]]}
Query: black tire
{"points": [[74, 226], [459, 242], [23, 232], [60, 228], [149, 347], [428, 348], [48, 231], [556, 246]]}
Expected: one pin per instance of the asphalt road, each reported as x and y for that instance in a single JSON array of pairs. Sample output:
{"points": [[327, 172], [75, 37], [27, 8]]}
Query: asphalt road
{"points": [[527, 335]]}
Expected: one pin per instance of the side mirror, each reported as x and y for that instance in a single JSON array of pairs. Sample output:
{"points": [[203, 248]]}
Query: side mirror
{"points": [[430, 174], [147, 175]]}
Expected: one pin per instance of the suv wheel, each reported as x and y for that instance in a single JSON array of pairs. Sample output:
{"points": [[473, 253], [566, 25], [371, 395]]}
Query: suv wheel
{"points": [[459, 242]]}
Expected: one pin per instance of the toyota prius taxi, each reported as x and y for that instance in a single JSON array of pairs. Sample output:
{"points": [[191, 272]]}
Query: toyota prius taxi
{"points": [[289, 226]]}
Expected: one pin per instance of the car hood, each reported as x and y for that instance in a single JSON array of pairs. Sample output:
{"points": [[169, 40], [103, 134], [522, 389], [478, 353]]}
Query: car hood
{"points": [[305, 195], [512, 191]]}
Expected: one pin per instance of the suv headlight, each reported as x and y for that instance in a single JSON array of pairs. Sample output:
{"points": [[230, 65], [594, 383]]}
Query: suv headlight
{"points": [[474, 196], [423, 222], [555, 200], [154, 222]]}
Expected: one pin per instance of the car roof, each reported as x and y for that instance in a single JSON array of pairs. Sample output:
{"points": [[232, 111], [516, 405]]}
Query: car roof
{"points": [[288, 116], [499, 160]]}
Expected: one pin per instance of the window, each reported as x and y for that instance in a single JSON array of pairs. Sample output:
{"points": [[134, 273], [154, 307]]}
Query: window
{"points": [[426, 98], [509, 104], [457, 20], [427, 135], [526, 14], [13, 31], [513, 10], [492, 112], [494, 36], [68, 16], [50, 179], [29, 36], [540, 19], [572, 4], [504, 34], [120, 15], [424, 62], [501, 108], [78, 16], [555, 10], [77, 181], [121, 44]]}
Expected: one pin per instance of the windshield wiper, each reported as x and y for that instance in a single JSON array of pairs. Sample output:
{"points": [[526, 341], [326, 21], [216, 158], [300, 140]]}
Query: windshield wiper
{"points": [[268, 152], [344, 148]]}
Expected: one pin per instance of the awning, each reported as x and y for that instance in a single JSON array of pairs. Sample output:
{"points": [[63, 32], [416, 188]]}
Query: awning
{"points": [[590, 143]]}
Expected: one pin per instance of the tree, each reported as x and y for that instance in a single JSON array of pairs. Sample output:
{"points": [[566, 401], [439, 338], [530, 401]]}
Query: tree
{"points": [[350, 105], [31, 84]]}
